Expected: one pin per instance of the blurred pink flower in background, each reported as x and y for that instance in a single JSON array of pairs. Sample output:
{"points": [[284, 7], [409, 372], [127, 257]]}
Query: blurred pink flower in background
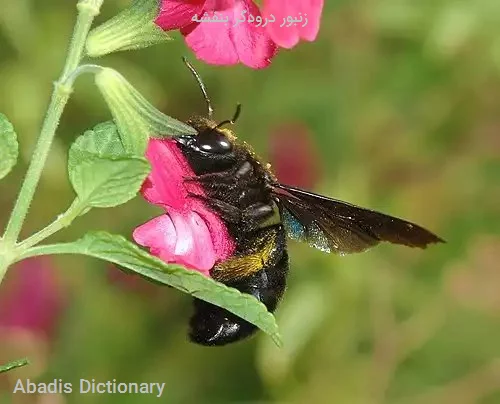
{"points": [[31, 297], [188, 233], [31, 305], [241, 39], [293, 155]]}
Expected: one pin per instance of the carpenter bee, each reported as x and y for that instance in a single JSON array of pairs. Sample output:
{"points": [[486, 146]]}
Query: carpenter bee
{"points": [[260, 213]]}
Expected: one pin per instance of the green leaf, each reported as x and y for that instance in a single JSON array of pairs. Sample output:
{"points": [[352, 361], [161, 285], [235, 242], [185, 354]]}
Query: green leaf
{"points": [[9, 148], [14, 364], [117, 249], [101, 173], [103, 140], [106, 182]]}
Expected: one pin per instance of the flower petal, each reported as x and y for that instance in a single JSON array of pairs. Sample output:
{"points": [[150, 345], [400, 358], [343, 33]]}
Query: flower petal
{"points": [[288, 37], [165, 183], [175, 14], [181, 238], [227, 44], [222, 241], [158, 234], [191, 234]]}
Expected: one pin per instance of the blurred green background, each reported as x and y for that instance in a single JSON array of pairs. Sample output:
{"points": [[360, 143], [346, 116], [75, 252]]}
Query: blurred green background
{"points": [[401, 100]]}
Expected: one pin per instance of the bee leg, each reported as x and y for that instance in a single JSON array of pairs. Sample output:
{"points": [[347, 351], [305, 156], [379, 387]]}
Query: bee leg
{"points": [[207, 178], [256, 214], [218, 186], [225, 210], [244, 170], [197, 196], [248, 195], [225, 176]]}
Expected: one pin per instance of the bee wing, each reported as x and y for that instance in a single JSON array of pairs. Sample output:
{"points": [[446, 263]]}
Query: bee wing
{"points": [[335, 226]]}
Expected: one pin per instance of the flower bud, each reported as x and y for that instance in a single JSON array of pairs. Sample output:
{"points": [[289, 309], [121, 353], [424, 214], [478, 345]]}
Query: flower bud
{"points": [[133, 28], [135, 117]]}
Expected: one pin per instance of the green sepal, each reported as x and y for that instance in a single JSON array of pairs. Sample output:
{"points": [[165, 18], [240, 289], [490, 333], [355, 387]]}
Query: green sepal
{"points": [[136, 118], [133, 28]]}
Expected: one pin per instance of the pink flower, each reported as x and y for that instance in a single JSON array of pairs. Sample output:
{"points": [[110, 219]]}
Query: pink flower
{"points": [[189, 233], [288, 37], [293, 155], [241, 39]]}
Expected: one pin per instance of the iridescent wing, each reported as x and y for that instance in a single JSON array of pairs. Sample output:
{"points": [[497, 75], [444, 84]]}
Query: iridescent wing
{"points": [[335, 226]]}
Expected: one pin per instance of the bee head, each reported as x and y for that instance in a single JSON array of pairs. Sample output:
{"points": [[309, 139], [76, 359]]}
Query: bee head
{"points": [[212, 148], [210, 139], [208, 142], [211, 145]]}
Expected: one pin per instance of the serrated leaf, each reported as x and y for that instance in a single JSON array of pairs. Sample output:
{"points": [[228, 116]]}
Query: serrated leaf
{"points": [[101, 173], [103, 140], [9, 149], [117, 249], [106, 182]]}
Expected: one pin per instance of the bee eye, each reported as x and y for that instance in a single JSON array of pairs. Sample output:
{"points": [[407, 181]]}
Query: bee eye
{"points": [[215, 142]]}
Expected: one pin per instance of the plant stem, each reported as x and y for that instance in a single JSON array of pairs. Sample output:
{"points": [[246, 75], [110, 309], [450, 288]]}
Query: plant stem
{"points": [[58, 100], [87, 10], [49, 249], [62, 221], [4, 261]]}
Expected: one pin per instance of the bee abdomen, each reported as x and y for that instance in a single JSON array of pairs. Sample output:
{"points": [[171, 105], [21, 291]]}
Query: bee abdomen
{"points": [[255, 251], [211, 325]]}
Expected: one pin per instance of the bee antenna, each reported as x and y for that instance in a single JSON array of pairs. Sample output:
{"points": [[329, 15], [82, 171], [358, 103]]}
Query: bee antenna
{"points": [[233, 119], [200, 84]]}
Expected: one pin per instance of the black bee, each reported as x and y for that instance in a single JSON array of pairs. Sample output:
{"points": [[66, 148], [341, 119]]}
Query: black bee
{"points": [[260, 213]]}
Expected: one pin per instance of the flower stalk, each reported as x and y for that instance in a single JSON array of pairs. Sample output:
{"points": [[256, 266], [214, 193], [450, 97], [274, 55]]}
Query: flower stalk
{"points": [[62, 221], [87, 10]]}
